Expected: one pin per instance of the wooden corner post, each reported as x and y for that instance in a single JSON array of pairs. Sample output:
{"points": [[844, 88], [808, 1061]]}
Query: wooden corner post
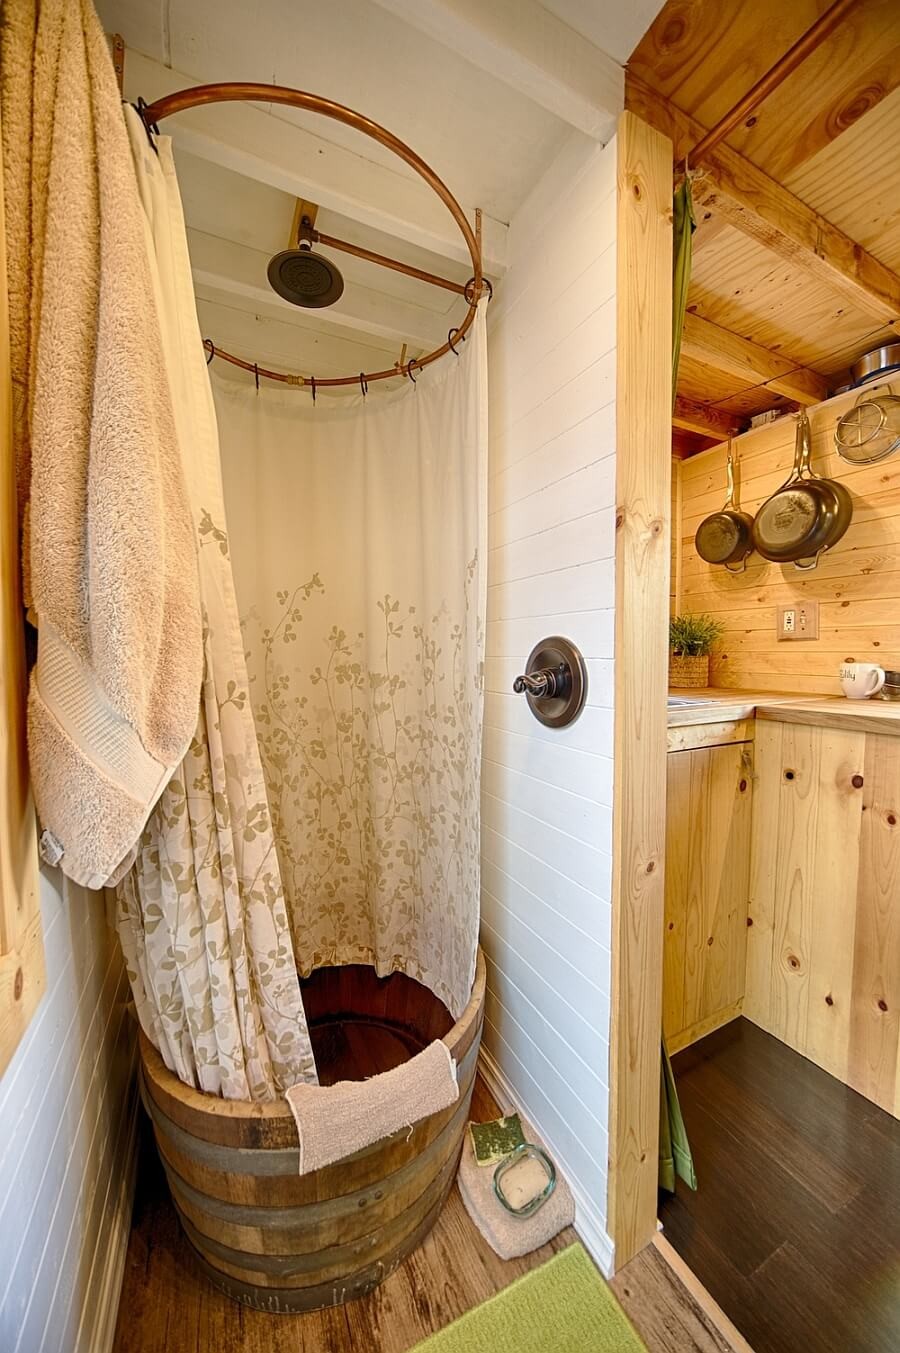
{"points": [[643, 478]]}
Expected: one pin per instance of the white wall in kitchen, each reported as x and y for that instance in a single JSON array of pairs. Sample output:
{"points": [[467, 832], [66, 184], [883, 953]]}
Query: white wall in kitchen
{"points": [[547, 794], [67, 1118]]}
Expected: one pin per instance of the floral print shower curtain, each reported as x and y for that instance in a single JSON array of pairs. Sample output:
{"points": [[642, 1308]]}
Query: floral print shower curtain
{"points": [[201, 916], [357, 528]]}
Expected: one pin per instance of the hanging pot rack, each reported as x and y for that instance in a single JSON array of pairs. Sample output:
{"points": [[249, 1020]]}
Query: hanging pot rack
{"points": [[472, 291]]}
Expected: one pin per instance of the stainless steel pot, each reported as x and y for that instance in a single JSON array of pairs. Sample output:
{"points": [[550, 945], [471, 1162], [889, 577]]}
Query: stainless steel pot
{"points": [[885, 358]]}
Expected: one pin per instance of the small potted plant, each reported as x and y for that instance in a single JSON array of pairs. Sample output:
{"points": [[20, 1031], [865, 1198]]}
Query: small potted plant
{"points": [[691, 639]]}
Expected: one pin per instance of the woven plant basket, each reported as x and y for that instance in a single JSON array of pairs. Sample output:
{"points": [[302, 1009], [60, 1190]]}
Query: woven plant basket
{"points": [[688, 670]]}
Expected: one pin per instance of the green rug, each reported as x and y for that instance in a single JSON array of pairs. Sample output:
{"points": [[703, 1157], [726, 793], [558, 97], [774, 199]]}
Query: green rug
{"points": [[562, 1307]]}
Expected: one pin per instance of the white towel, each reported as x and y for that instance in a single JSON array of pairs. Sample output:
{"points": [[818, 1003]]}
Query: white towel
{"points": [[508, 1235], [111, 569], [334, 1121]]}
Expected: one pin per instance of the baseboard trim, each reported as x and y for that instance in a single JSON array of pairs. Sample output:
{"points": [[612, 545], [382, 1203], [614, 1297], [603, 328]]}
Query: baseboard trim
{"points": [[710, 1307], [589, 1222], [99, 1335]]}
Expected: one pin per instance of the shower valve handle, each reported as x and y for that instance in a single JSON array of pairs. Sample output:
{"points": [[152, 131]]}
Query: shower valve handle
{"points": [[544, 683], [554, 682]]}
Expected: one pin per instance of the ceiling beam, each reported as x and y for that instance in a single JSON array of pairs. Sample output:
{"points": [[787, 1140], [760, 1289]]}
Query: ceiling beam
{"points": [[692, 416], [739, 193], [273, 150], [748, 362], [531, 50]]}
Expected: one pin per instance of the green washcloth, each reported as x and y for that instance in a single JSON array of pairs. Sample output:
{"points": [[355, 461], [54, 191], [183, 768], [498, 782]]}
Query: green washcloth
{"points": [[493, 1142]]}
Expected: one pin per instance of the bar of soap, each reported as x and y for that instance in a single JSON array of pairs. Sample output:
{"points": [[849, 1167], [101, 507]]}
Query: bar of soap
{"points": [[493, 1142], [524, 1181]]}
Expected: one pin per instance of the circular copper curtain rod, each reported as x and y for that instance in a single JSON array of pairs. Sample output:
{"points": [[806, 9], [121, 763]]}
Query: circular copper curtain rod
{"points": [[240, 92]]}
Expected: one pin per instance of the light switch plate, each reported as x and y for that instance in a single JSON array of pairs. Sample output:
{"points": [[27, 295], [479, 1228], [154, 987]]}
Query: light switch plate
{"points": [[798, 620]]}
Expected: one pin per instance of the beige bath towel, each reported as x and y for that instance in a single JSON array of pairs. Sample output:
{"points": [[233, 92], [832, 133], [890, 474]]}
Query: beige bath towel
{"points": [[334, 1121], [507, 1235], [111, 567]]}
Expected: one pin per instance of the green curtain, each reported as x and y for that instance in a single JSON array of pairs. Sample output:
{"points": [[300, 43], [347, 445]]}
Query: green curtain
{"points": [[674, 1148], [683, 225]]}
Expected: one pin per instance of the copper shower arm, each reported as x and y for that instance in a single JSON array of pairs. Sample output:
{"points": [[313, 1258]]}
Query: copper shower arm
{"points": [[240, 92]]}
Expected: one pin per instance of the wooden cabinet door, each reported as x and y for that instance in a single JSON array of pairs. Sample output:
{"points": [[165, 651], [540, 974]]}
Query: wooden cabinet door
{"points": [[708, 816], [823, 958]]}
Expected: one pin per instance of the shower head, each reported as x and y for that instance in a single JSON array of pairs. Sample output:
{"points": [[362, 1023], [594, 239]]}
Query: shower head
{"points": [[305, 278]]}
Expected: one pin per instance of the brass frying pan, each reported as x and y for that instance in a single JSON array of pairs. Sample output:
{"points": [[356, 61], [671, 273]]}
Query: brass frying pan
{"points": [[806, 516], [726, 537]]}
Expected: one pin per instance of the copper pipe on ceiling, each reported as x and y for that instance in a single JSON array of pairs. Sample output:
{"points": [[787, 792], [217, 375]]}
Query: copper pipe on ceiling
{"points": [[385, 262], [241, 92], [793, 57]]}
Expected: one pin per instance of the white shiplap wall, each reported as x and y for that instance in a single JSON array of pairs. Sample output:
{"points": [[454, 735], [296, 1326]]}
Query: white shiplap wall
{"points": [[547, 794], [67, 1119]]}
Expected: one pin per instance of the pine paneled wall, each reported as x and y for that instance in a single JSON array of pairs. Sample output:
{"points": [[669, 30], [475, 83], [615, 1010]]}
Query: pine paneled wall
{"points": [[67, 1120], [547, 793], [857, 583]]}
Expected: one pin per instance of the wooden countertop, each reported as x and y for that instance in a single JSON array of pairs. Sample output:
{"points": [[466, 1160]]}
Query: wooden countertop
{"points": [[862, 716], [712, 704]]}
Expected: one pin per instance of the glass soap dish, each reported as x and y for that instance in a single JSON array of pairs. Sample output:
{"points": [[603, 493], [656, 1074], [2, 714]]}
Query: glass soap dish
{"points": [[517, 1180]]}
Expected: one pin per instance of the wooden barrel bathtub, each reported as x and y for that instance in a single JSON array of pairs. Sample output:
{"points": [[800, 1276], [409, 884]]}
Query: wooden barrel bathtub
{"points": [[284, 1242]]}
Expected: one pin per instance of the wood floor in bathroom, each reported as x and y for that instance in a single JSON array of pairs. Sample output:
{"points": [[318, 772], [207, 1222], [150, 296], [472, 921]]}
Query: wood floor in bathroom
{"points": [[168, 1307], [795, 1226]]}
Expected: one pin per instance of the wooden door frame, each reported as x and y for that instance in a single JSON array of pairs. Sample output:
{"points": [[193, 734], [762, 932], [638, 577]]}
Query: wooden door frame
{"points": [[643, 509]]}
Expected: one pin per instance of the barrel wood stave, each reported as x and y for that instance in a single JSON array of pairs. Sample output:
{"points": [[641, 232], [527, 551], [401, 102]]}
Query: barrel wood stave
{"points": [[280, 1241]]}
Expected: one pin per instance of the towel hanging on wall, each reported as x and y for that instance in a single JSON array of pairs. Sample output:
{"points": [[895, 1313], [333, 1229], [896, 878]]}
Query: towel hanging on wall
{"points": [[110, 560]]}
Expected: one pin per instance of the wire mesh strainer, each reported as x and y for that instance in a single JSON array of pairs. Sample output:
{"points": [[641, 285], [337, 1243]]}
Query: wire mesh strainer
{"points": [[869, 431]]}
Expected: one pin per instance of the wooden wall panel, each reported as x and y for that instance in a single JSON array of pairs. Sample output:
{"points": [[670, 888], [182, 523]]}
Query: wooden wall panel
{"points": [[22, 975], [857, 584], [823, 959], [708, 812]]}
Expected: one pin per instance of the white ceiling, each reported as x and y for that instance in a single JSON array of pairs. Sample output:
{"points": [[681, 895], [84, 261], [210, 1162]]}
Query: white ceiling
{"points": [[616, 29], [486, 91]]}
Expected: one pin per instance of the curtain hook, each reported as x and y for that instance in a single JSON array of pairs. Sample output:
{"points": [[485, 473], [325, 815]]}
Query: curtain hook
{"points": [[450, 333], [312, 386], [409, 366], [256, 376], [149, 127], [210, 348], [469, 290], [363, 383]]}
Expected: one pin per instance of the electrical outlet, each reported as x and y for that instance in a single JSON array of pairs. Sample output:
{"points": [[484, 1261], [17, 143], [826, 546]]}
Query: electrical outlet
{"points": [[799, 620]]}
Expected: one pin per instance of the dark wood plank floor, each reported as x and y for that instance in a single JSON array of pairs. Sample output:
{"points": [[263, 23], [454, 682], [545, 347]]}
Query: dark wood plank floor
{"points": [[168, 1307], [795, 1227]]}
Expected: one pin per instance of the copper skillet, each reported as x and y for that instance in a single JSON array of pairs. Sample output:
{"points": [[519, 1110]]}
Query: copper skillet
{"points": [[725, 537], [806, 516]]}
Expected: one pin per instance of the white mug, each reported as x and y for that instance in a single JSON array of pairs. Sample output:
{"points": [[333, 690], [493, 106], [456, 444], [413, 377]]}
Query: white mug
{"points": [[859, 680]]}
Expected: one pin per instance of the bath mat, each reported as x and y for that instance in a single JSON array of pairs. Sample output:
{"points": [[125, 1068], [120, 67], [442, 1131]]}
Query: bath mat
{"points": [[511, 1236], [562, 1307]]}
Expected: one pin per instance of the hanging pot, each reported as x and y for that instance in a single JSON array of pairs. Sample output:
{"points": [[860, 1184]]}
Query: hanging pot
{"points": [[806, 516], [726, 537]]}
